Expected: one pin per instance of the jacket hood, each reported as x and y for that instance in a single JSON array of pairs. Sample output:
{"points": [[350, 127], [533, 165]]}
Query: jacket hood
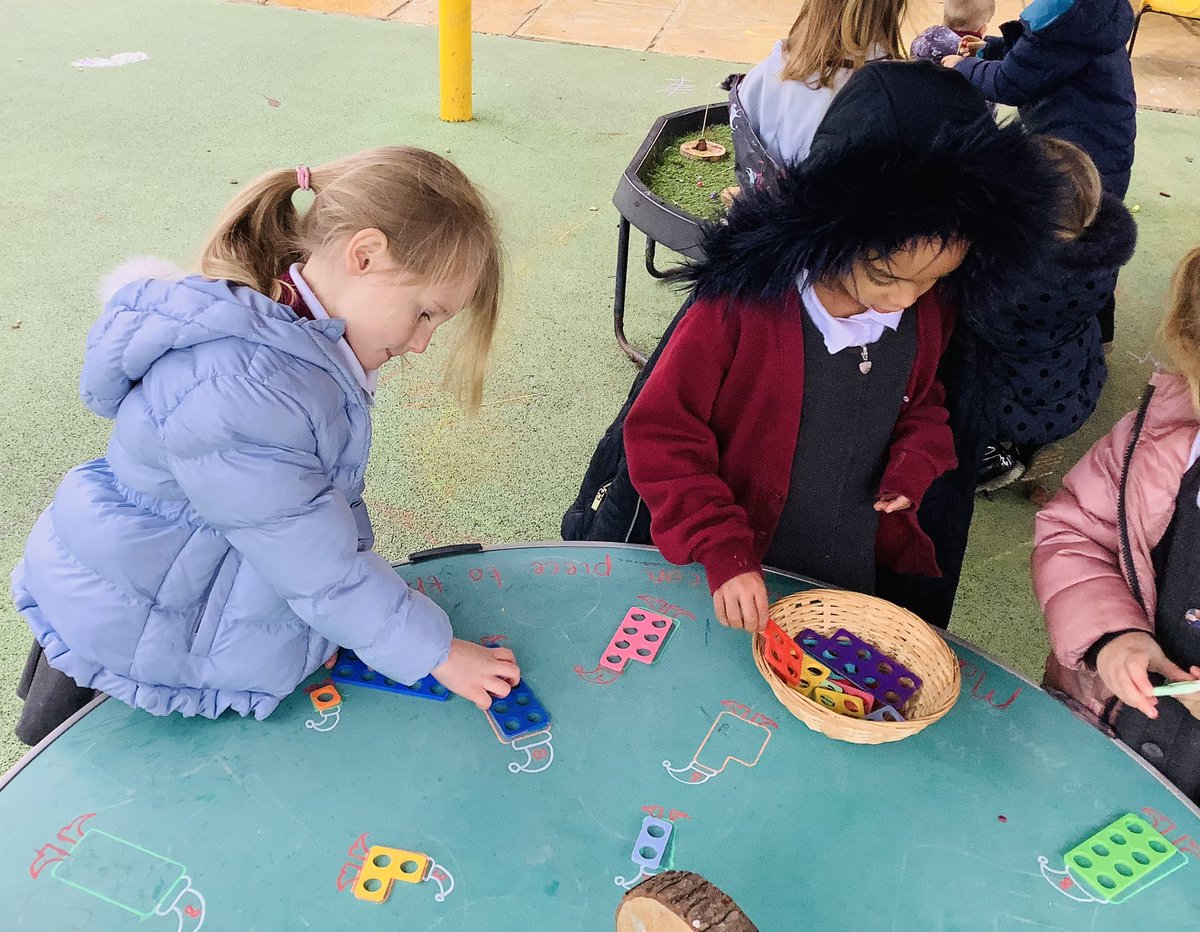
{"points": [[1107, 244], [907, 151], [1100, 26], [148, 318]]}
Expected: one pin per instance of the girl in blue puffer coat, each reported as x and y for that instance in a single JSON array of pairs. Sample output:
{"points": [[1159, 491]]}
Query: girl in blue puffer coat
{"points": [[219, 552]]}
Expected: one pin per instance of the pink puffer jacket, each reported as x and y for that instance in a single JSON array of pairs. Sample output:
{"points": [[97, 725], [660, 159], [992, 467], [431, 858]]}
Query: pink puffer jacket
{"points": [[1078, 575]]}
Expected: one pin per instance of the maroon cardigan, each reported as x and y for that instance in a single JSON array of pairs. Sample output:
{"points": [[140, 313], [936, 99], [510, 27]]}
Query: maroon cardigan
{"points": [[711, 438]]}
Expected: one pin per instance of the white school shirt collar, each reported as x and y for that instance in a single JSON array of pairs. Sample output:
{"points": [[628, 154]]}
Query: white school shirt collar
{"points": [[841, 332], [366, 380]]}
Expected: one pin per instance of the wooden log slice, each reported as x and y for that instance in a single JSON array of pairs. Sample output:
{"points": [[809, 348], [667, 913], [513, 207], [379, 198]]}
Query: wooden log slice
{"points": [[709, 152], [680, 901]]}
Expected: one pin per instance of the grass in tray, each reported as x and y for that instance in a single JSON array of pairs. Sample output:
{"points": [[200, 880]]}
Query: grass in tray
{"points": [[673, 177]]}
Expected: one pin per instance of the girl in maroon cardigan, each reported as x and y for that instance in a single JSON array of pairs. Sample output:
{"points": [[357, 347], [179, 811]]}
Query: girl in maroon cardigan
{"points": [[795, 416]]}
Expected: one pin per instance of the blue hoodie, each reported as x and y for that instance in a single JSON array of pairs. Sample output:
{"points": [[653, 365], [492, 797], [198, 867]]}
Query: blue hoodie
{"points": [[217, 553], [1065, 67]]}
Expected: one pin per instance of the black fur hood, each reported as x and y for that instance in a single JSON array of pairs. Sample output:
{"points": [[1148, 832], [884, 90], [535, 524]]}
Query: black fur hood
{"points": [[907, 151], [1107, 244]]}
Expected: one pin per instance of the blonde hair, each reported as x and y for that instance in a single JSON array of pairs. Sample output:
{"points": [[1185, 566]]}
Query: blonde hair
{"points": [[1181, 328], [968, 15], [438, 227], [1082, 187], [830, 35]]}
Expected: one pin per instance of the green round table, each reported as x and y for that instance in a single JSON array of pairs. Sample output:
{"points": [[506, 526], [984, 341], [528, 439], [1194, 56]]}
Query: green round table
{"points": [[121, 820]]}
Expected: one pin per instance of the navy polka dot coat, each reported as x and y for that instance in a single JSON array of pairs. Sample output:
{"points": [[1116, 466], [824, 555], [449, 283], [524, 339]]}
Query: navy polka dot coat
{"points": [[1047, 366]]}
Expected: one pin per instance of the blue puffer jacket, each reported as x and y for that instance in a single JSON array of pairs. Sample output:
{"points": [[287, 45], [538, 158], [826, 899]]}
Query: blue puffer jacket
{"points": [[1065, 67], [212, 558]]}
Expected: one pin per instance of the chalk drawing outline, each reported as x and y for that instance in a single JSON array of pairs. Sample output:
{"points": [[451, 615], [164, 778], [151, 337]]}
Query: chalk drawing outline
{"points": [[1068, 884], [325, 724], [169, 903], [356, 860], [668, 855], [538, 748], [701, 773]]}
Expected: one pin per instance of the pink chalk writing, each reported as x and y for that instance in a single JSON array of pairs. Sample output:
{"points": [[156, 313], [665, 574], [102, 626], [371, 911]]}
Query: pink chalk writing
{"points": [[1166, 826], [571, 568], [479, 573], [668, 577], [432, 581], [663, 607], [969, 670]]}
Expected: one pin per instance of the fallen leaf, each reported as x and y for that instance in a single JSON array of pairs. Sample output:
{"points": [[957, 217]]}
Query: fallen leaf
{"points": [[16, 326], [1163, 194]]}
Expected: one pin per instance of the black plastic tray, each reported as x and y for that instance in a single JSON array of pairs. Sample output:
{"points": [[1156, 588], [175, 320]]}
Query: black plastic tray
{"points": [[664, 222]]}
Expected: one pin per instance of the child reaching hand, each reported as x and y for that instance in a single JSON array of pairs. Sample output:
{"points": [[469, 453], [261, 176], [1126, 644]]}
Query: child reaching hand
{"points": [[1116, 562], [794, 417], [962, 20], [219, 551]]}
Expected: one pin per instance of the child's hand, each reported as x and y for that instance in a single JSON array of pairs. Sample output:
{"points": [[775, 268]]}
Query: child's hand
{"points": [[970, 45], [1123, 664], [949, 61], [478, 673], [742, 602], [889, 502]]}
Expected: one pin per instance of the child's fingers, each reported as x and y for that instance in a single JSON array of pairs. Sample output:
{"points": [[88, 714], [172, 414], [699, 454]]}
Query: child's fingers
{"points": [[498, 685], [1132, 687], [733, 611], [719, 608], [760, 608], [480, 696], [503, 653], [1168, 669]]}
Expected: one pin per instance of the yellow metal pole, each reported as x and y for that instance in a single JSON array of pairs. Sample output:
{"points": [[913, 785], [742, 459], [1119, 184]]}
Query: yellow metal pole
{"points": [[454, 57]]}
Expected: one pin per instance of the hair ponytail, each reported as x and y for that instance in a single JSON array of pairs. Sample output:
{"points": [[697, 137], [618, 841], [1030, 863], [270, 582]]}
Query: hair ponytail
{"points": [[1181, 329], [257, 236]]}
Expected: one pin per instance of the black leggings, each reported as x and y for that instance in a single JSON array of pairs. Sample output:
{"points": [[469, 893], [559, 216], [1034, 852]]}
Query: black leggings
{"points": [[51, 697]]}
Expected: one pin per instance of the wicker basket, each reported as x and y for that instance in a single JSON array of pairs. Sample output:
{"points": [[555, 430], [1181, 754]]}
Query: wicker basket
{"points": [[896, 632]]}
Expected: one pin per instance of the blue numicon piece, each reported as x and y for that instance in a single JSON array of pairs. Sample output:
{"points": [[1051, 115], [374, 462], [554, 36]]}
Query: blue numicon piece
{"points": [[518, 713], [652, 843], [349, 669]]}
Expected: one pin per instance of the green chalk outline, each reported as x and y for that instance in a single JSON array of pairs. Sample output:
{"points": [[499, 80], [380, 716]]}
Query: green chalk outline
{"points": [[100, 896]]}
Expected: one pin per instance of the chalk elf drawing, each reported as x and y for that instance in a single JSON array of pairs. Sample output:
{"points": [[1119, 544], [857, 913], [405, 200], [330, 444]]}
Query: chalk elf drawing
{"points": [[738, 734], [327, 702], [1117, 862], [640, 636], [520, 721], [356, 866], [122, 874], [653, 845]]}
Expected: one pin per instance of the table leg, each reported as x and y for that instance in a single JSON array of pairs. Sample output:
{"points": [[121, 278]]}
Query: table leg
{"points": [[650, 266], [639, 358]]}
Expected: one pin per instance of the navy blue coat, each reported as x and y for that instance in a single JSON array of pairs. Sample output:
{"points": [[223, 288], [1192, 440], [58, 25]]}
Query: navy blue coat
{"points": [[1045, 365], [1065, 67]]}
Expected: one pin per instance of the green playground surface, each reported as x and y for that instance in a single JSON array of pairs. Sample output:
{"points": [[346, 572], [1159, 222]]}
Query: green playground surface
{"points": [[104, 164]]}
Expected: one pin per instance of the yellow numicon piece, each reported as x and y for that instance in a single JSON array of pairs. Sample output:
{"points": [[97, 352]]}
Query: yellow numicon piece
{"points": [[840, 702], [386, 865]]}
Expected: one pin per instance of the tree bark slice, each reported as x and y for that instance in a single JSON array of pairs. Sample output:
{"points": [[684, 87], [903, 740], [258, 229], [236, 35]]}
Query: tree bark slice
{"points": [[680, 901]]}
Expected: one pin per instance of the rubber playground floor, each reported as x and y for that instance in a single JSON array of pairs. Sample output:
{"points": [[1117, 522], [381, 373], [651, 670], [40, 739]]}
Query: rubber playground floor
{"points": [[101, 164]]}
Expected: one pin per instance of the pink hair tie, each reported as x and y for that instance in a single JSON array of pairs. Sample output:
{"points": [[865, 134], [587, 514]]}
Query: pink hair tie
{"points": [[303, 178]]}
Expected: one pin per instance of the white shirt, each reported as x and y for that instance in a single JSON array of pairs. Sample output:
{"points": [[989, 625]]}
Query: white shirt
{"points": [[785, 114], [861, 329], [366, 380]]}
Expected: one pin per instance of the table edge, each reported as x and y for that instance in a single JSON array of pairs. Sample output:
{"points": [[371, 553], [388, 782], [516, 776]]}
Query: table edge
{"points": [[9, 775]]}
